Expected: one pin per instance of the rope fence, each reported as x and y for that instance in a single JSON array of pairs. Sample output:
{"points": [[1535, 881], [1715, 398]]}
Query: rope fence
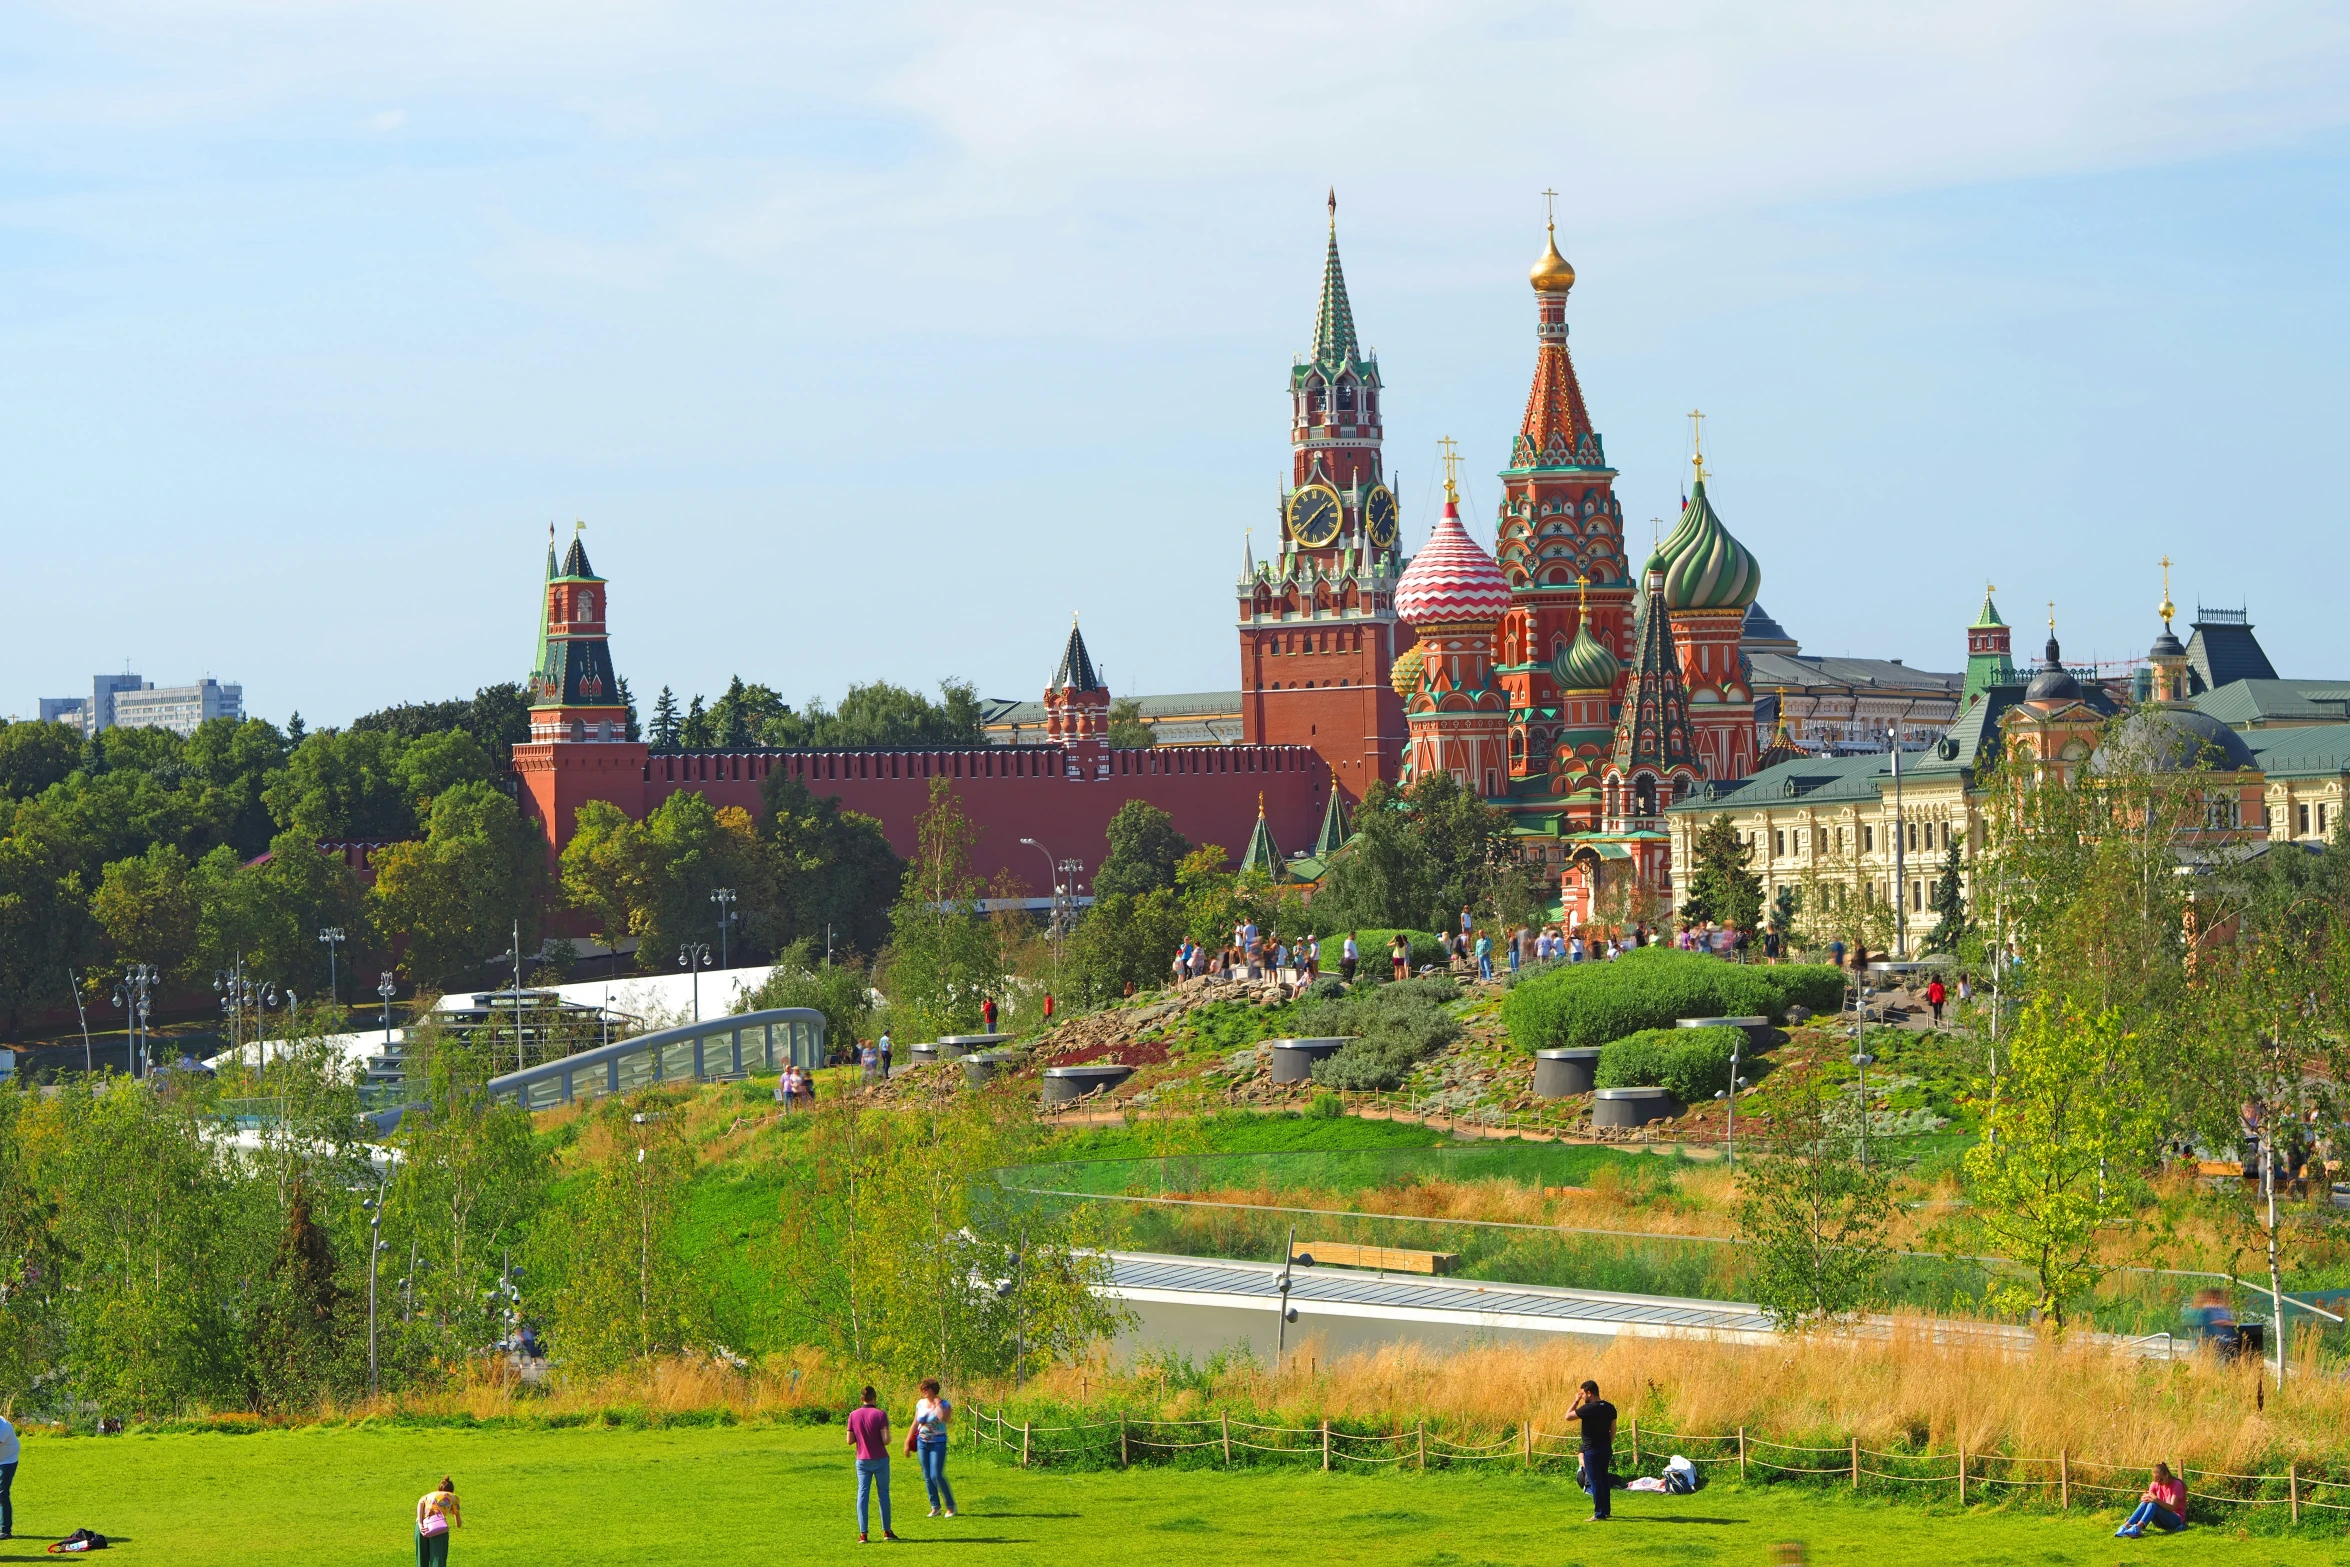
{"points": [[1226, 1442]]}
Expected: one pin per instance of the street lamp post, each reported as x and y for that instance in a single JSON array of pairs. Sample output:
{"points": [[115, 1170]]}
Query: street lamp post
{"points": [[724, 898], [89, 1063], [1729, 1098], [694, 957], [333, 937], [136, 996], [1052, 869], [375, 1246], [386, 989]]}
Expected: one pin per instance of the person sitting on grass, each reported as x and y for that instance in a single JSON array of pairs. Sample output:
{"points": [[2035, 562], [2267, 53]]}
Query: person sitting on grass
{"points": [[2163, 1505]]}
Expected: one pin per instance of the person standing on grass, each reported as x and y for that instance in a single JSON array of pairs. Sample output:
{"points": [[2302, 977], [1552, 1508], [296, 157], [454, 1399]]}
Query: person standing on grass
{"points": [[928, 1440], [9, 1453], [2164, 1505], [1484, 956], [436, 1514], [1598, 1419], [869, 1437]]}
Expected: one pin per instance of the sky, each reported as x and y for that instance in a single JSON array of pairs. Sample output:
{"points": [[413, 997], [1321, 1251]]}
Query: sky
{"points": [[872, 342]]}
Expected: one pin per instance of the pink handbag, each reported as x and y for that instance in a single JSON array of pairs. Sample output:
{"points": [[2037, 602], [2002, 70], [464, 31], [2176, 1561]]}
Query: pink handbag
{"points": [[435, 1522]]}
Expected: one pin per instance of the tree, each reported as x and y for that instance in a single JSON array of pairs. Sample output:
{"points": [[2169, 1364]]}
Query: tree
{"points": [[431, 765], [619, 1286], [1145, 850], [835, 871], [1127, 730], [1416, 859], [1125, 938], [2071, 1125], [496, 717], [33, 756], [44, 914], [1722, 887], [652, 879], [1816, 1218], [696, 733], [604, 870], [1949, 903], [269, 913], [147, 909], [295, 1326], [665, 720], [456, 894], [944, 953], [343, 787]]}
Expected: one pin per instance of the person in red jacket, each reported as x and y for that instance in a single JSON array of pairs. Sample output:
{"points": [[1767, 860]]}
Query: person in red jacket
{"points": [[1936, 994]]}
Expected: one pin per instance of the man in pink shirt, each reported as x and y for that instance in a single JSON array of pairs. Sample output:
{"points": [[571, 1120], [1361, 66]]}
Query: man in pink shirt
{"points": [[869, 1435]]}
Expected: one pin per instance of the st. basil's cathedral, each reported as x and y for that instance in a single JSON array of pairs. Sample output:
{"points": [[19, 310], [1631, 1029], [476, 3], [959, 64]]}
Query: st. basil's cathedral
{"points": [[1546, 677]]}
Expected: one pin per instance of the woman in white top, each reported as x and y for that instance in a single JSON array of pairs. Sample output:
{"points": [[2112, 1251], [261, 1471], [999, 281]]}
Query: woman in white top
{"points": [[927, 1439]]}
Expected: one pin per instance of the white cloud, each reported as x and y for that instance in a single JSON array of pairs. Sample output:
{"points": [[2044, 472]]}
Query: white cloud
{"points": [[388, 120]]}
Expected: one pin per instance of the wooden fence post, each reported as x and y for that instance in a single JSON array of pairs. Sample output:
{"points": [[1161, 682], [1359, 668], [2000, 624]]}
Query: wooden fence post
{"points": [[1423, 1429], [1962, 1474], [1742, 1452], [1529, 1441], [1224, 1419], [1122, 1441], [1635, 1444], [2293, 1488], [1856, 1463], [1024, 1425], [2064, 1481], [1325, 1444]]}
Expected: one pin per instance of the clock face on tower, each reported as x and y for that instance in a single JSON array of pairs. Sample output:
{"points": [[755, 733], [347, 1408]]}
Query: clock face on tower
{"points": [[1314, 516], [1379, 518]]}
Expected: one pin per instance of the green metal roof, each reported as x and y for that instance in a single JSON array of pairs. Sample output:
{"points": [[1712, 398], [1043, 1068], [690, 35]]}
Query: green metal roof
{"points": [[2251, 704], [2310, 751]]}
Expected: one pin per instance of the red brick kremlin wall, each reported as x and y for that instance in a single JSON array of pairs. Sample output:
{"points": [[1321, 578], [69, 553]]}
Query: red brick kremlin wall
{"points": [[1010, 792]]}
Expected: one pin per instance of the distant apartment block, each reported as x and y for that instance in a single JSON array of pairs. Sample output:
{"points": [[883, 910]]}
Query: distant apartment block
{"points": [[127, 702]]}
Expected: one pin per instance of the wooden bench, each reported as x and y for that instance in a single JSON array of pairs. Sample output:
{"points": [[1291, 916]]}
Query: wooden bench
{"points": [[1388, 1259]]}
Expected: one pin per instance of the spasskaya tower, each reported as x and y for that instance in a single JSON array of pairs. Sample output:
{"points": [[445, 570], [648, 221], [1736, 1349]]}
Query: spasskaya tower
{"points": [[1318, 628]]}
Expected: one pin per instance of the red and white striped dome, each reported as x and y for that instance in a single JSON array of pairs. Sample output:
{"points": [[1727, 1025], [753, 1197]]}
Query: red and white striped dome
{"points": [[1451, 579]]}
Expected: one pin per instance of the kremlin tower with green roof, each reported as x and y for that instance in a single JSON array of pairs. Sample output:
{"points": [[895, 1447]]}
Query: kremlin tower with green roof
{"points": [[1988, 660]]}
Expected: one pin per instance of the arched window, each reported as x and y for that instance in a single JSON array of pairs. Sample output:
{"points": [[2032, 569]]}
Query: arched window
{"points": [[1644, 795], [1346, 394], [587, 606], [1314, 395]]}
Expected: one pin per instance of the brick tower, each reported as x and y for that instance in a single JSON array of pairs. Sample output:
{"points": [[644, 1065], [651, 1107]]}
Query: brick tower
{"points": [[1560, 527], [579, 749], [1077, 710], [574, 695], [1454, 595], [1990, 656], [1318, 628]]}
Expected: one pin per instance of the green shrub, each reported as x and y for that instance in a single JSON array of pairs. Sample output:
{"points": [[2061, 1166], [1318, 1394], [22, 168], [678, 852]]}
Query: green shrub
{"points": [[1427, 947], [1394, 1028], [1692, 1063], [1587, 1004], [1327, 1106]]}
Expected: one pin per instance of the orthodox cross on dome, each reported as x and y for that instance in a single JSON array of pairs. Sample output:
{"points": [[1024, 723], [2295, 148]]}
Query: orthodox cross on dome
{"points": [[1697, 443], [1452, 466], [1550, 216], [2167, 609]]}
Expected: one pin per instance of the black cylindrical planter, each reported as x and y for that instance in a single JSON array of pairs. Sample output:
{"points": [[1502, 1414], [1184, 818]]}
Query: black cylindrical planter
{"points": [[1062, 1084], [923, 1054], [951, 1046], [985, 1064], [1558, 1073], [1632, 1106], [1293, 1059]]}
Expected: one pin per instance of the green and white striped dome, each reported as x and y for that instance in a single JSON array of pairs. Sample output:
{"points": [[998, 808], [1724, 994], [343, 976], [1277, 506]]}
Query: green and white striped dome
{"points": [[1706, 568], [1584, 664]]}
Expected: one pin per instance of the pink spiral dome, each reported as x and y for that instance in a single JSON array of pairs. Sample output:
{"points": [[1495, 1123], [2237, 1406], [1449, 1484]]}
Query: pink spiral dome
{"points": [[1451, 579]]}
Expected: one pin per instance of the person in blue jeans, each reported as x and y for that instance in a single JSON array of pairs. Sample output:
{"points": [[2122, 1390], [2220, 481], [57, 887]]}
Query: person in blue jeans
{"points": [[869, 1436], [8, 1458], [2163, 1505], [1484, 956], [928, 1440]]}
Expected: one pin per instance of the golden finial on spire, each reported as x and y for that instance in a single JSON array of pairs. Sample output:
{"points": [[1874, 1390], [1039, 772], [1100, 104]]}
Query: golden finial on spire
{"points": [[1452, 463], [1582, 596], [2052, 617], [1552, 274], [1333, 209], [1260, 802], [2167, 609], [1697, 443]]}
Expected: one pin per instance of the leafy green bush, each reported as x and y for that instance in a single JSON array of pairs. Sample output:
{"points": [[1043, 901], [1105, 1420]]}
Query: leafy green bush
{"points": [[1426, 947], [1586, 1004], [1692, 1063], [1394, 1028]]}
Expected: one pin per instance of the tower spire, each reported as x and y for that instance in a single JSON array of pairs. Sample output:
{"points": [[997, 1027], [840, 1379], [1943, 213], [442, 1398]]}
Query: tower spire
{"points": [[1334, 322], [2167, 609]]}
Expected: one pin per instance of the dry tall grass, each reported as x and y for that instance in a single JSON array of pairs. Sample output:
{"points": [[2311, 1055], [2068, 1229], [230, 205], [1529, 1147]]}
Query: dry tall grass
{"points": [[1905, 1393]]}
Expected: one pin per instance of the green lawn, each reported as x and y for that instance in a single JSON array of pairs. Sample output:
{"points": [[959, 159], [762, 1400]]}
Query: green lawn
{"points": [[775, 1494]]}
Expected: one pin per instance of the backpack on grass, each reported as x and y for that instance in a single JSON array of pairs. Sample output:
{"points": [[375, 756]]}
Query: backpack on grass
{"points": [[78, 1541]]}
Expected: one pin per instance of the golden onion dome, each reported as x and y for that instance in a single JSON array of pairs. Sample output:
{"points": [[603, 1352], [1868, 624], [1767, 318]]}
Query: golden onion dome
{"points": [[1552, 274], [1404, 674]]}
